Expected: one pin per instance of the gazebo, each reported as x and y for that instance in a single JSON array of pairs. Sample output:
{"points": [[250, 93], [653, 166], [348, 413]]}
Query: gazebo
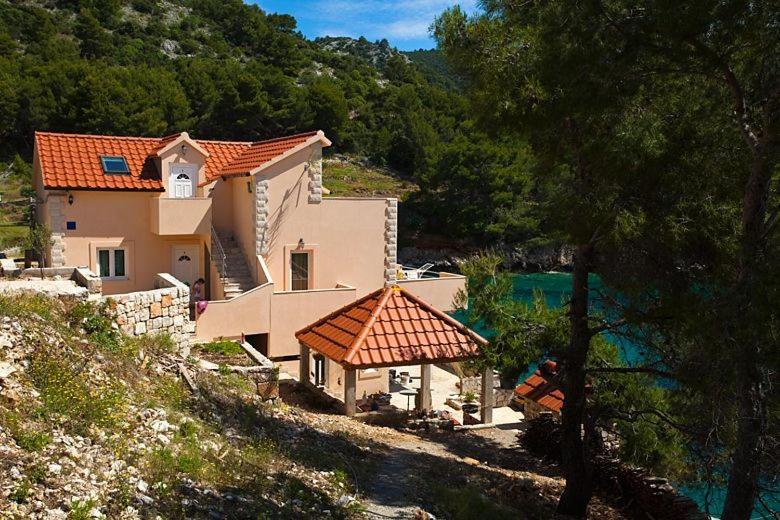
{"points": [[388, 328]]}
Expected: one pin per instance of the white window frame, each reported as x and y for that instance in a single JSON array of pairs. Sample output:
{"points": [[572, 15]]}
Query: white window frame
{"points": [[111, 262], [190, 170]]}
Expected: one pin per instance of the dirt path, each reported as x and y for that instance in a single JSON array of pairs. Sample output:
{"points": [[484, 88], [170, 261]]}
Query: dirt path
{"points": [[389, 495]]}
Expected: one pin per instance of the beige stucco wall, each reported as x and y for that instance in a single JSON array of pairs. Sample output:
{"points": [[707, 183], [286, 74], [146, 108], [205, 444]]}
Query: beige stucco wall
{"points": [[190, 216], [291, 311], [249, 313], [114, 219], [346, 236], [221, 193], [439, 292], [243, 227], [368, 381]]}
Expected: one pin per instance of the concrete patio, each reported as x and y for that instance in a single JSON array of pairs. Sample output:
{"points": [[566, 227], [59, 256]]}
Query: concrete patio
{"points": [[444, 385]]}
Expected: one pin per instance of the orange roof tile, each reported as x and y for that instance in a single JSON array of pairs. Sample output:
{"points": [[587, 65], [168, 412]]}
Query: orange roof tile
{"points": [[261, 152], [541, 388], [390, 327], [72, 161]]}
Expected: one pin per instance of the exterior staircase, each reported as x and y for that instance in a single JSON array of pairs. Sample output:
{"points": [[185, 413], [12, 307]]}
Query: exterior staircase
{"points": [[230, 261]]}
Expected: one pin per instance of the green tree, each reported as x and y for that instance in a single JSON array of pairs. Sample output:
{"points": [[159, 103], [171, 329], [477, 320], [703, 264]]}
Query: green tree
{"points": [[327, 102], [95, 41], [655, 84]]}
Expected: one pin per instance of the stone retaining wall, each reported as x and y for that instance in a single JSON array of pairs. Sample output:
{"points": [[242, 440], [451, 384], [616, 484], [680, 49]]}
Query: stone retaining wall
{"points": [[164, 310], [501, 396]]}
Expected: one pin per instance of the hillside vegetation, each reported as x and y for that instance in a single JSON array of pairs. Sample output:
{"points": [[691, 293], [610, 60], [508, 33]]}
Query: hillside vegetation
{"points": [[97, 425], [227, 70]]}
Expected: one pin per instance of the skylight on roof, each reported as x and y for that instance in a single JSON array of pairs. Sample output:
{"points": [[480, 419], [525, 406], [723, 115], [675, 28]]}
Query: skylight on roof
{"points": [[114, 164]]}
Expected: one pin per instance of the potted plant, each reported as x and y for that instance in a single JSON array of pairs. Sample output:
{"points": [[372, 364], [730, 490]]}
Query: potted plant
{"points": [[470, 403]]}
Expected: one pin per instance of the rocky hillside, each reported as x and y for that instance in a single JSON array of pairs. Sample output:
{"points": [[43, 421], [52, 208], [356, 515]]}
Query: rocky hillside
{"points": [[376, 53], [95, 425]]}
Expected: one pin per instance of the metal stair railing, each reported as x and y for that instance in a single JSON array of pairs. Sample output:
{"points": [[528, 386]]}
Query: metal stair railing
{"points": [[219, 252]]}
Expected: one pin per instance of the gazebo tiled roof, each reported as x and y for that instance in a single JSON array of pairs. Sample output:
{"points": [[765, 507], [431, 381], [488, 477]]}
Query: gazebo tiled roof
{"points": [[390, 327]]}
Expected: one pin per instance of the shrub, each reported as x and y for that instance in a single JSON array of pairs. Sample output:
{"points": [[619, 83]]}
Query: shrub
{"points": [[25, 438], [81, 509], [97, 323], [21, 492]]}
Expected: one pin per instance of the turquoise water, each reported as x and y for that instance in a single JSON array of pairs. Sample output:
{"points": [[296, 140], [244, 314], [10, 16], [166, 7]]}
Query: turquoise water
{"points": [[557, 288]]}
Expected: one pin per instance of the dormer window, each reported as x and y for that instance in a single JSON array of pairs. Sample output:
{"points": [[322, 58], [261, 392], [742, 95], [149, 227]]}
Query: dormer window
{"points": [[114, 165]]}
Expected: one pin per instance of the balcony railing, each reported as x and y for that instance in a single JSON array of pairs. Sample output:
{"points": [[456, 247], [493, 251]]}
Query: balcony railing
{"points": [[190, 216]]}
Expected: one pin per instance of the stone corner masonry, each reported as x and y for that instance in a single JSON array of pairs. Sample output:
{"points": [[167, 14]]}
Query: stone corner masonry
{"points": [[391, 241]]}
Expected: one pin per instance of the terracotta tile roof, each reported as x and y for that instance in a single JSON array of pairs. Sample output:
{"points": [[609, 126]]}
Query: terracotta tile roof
{"points": [[261, 152], [220, 155], [390, 327], [72, 161], [541, 387]]}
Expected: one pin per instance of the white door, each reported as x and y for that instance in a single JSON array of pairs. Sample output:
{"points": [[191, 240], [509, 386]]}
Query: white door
{"points": [[186, 259], [182, 180]]}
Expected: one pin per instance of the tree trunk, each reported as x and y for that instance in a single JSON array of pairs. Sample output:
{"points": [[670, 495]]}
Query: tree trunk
{"points": [[751, 401], [574, 456], [745, 468]]}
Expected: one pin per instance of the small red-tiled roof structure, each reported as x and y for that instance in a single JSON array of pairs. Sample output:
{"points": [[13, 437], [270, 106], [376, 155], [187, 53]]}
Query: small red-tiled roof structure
{"points": [[390, 327], [541, 387], [72, 161]]}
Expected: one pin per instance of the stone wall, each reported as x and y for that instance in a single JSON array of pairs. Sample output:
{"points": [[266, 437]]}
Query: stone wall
{"points": [[164, 310], [501, 396]]}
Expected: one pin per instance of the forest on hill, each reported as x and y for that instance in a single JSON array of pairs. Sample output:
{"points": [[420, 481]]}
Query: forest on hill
{"points": [[227, 70]]}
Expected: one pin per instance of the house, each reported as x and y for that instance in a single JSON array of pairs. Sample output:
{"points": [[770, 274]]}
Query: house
{"points": [[249, 218], [540, 393]]}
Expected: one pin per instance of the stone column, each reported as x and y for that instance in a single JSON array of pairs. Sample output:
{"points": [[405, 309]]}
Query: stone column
{"points": [[350, 392], [425, 387], [486, 410], [56, 254], [391, 241], [261, 215], [303, 368], [315, 176]]}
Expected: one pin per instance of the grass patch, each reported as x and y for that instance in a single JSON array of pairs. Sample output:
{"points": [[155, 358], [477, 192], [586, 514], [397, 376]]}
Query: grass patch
{"points": [[26, 305], [12, 234], [170, 392], [465, 503], [351, 180], [70, 393], [221, 347]]}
